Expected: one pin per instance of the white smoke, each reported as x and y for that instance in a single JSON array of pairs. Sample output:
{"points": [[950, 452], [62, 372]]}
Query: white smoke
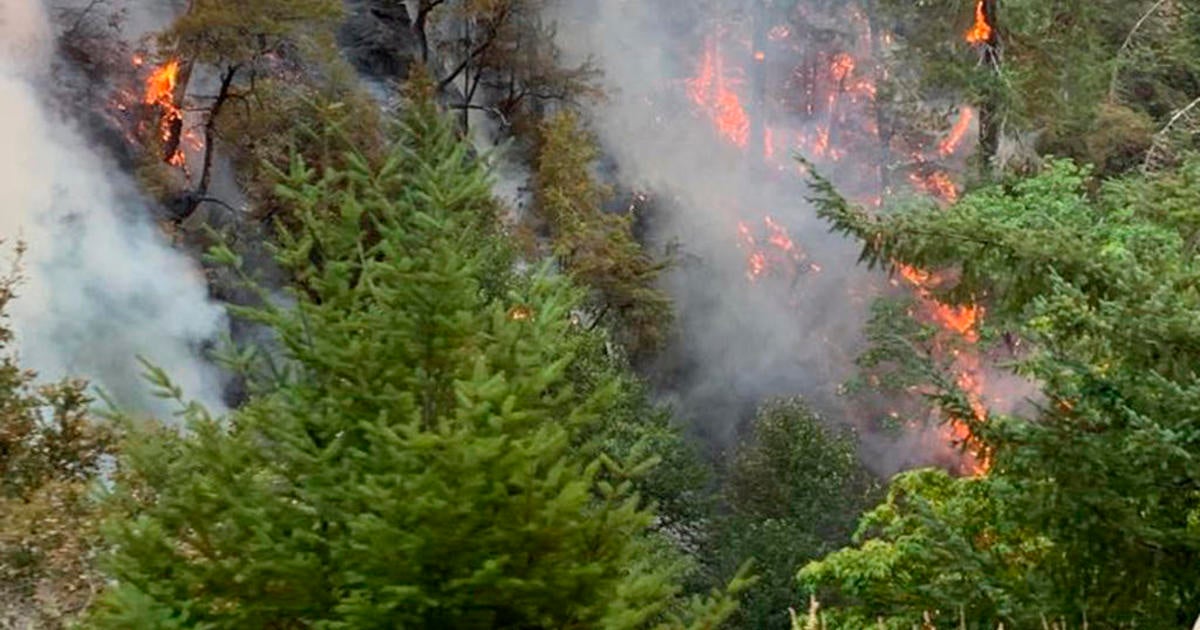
{"points": [[102, 287], [742, 342]]}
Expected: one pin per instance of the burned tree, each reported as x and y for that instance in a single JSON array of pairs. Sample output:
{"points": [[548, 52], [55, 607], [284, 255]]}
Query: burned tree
{"points": [[239, 41], [986, 38]]}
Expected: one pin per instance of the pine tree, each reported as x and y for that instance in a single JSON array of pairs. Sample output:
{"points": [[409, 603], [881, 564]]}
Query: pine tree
{"points": [[417, 461], [597, 248]]}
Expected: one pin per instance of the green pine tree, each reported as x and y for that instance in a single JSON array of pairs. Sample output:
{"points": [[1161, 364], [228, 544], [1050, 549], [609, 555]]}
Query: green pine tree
{"points": [[418, 460]]}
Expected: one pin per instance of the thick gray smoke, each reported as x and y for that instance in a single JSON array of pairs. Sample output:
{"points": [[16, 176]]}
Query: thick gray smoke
{"points": [[102, 286], [740, 341]]}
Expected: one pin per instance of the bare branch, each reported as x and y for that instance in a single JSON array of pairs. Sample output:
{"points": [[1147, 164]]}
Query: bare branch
{"points": [[1112, 84]]}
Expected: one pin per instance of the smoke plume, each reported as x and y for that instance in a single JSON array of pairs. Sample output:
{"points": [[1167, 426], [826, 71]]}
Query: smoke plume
{"points": [[101, 287], [740, 340]]}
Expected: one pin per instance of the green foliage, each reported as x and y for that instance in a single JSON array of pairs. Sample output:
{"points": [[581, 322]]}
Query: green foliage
{"points": [[597, 248], [230, 33], [322, 121], [419, 462], [936, 545], [1064, 67], [1086, 511], [635, 429], [794, 491]]}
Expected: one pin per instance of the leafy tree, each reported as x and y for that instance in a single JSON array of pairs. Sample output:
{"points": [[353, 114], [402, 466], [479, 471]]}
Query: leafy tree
{"points": [[1089, 510], [794, 491], [597, 248], [240, 40], [418, 460], [1085, 77], [322, 118], [505, 47], [51, 453]]}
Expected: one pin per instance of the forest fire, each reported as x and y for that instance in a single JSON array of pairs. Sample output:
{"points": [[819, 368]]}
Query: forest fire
{"points": [[981, 30], [951, 143], [713, 90], [825, 127], [959, 326], [777, 253], [161, 87]]}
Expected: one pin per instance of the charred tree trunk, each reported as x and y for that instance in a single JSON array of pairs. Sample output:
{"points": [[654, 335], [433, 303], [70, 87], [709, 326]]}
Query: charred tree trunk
{"points": [[421, 25], [174, 136], [189, 202], [990, 104], [210, 127], [882, 104]]}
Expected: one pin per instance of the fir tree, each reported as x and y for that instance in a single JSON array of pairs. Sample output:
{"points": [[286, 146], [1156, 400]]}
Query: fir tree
{"points": [[417, 461]]}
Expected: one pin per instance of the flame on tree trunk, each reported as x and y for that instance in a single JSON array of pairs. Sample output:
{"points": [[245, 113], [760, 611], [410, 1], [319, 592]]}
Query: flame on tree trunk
{"points": [[165, 88], [984, 35]]}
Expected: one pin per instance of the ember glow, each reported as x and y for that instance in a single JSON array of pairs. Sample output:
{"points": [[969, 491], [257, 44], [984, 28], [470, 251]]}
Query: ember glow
{"points": [[981, 31], [936, 184], [771, 251]]}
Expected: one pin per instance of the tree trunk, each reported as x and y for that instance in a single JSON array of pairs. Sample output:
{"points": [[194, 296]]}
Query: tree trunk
{"points": [[991, 102], [210, 127]]}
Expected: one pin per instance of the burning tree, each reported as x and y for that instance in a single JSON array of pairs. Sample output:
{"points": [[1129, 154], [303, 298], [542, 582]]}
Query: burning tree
{"points": [[1080, 78], [1089, 509], [239, 41]]}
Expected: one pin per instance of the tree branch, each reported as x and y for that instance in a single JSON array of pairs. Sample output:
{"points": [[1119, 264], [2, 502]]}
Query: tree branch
{"points": [[1112, 84]]}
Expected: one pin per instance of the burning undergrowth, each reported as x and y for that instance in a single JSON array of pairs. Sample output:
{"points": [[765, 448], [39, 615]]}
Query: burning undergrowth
{"points": [[712, 102]]}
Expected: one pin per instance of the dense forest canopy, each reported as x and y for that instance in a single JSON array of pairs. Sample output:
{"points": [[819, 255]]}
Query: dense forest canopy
{"points": [[453, 371]]}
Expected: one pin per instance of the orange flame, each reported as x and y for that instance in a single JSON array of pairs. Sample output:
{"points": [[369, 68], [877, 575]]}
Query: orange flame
{"points": [[712, 90], [964, 322], [778, 253], [981, 32], [842, 66], [937, 184], [161, 84], [160, 91], [949, 145]]}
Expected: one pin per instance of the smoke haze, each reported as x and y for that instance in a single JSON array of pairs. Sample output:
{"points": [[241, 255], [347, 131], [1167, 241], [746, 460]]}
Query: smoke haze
{"points": [[101, 285], [739, 342]]}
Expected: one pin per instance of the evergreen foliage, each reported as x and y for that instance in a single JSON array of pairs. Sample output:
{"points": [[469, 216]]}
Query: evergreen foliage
{"points": [[597, 248], [1089, 508], [420, 459], [794, 489]]}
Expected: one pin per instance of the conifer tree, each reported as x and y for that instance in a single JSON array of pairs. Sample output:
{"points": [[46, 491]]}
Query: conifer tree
{"points": [[416, 461], [597, 248], [1089, 510]]}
